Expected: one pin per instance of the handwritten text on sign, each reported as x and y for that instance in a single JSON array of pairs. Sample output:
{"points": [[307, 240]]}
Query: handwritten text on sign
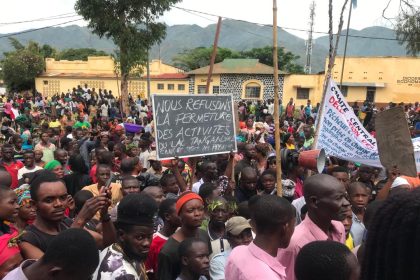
{"points": [[192, 125], [341, 134]]}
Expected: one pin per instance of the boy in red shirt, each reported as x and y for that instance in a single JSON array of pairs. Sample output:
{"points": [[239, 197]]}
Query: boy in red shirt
{"points": [[167, 212], [10, 164]]}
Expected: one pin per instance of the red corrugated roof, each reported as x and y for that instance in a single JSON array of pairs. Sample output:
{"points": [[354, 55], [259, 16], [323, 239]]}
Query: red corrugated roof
{"points": [[169, 76]]}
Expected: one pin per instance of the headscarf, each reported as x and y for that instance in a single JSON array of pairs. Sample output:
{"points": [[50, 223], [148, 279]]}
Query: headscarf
{"points": [[183, 199], [23, 195], [52, 164], [288, 188]]}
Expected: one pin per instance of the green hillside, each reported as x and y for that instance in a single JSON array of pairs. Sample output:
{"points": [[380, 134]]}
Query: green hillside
{"points": [[234, 34]]}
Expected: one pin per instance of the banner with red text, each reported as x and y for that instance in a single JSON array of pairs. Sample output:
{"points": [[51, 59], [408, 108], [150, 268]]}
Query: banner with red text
{"points": [[341, 134]]}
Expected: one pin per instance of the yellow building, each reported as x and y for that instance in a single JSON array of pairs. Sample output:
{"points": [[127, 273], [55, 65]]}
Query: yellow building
{"points": [[303, 88], [377, 79], [99, 73]]}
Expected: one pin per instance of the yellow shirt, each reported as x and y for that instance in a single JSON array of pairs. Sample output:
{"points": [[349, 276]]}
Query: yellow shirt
{"points": [[290, 146], [55, 124], [116, 194], [350, 242]]}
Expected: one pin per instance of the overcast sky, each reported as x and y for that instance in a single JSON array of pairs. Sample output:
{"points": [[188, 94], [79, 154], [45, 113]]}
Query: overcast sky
{"points": [[291, 13]]}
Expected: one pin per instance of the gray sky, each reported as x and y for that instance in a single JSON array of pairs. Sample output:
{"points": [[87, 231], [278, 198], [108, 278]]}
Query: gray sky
{"points": [[291, 13]]}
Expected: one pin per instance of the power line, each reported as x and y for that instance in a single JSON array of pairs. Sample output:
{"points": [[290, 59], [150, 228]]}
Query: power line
{"points": [[37, 29], [286, 28], [244, 30], [67, 15], [198, 15]]}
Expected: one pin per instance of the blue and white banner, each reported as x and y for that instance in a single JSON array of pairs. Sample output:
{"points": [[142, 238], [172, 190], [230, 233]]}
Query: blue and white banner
{"points": [[342, 135], [416, 145]]}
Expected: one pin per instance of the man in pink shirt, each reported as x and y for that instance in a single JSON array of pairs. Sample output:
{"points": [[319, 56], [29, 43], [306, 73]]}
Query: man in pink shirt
{"points": [[326, 199], [274, 219]]}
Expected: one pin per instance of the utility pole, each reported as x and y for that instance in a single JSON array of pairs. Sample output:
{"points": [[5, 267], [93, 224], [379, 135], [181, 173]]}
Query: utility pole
{"points": [[276, 102], [213, 55], [345, 47], [310, 41]]}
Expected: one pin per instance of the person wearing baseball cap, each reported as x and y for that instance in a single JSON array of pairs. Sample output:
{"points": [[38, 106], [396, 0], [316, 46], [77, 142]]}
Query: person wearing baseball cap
{"points": [[238, 232]]}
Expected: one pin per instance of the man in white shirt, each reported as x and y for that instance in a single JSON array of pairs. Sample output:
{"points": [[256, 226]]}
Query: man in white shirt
{"points": [[29, 161]]}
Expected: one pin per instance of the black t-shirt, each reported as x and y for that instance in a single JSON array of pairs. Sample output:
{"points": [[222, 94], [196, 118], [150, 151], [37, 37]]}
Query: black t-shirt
{"points": [[168, 259], [4, 228], [243, 195], [40, 239], [76, 181]]}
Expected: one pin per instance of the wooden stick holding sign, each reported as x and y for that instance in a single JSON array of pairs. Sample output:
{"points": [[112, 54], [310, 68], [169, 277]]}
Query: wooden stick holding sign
{"points": [[276, 103]]}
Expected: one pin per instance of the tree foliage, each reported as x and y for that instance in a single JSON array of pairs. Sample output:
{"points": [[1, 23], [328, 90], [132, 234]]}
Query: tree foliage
{"points": [[21, 66], [200, 57], [408, 28], [79, 54], [131, 24], [287, 60]]}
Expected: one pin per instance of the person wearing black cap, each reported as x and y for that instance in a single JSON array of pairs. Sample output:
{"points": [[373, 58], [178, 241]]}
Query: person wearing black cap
{"points": [[125, 258]]}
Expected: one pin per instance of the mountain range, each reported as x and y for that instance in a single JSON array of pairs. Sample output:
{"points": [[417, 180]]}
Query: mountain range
{"points": [[236, 35]]}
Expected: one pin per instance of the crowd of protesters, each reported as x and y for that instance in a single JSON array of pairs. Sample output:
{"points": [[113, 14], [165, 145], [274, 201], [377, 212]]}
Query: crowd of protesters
{"points": [[81, 197]]}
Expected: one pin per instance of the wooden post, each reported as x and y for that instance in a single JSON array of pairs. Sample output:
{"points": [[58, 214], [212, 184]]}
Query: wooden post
{"points": [[276, 102], [148, 78], [213, 55], [119, 94]]}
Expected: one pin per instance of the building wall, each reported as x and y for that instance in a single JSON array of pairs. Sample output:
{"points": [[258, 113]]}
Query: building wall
{"points": [[293, 82], [157, 67], [100, 65], [201, 81], [235, 84], [49, 86], [94, 65], [61, 76], [154, 86], [400, 76], [395, 79]]}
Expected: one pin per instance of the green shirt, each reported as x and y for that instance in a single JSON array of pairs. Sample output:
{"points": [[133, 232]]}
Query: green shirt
{"points": [[83, 124], [308, 143]]}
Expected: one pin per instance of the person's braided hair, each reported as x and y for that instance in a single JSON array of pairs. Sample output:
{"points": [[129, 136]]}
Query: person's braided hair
{"points": [[392, 249]]}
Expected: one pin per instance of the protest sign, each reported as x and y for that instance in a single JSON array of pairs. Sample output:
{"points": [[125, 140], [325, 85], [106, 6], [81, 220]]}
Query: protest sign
{"points": [[340, 132], [193, 125], [394, 141]]}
